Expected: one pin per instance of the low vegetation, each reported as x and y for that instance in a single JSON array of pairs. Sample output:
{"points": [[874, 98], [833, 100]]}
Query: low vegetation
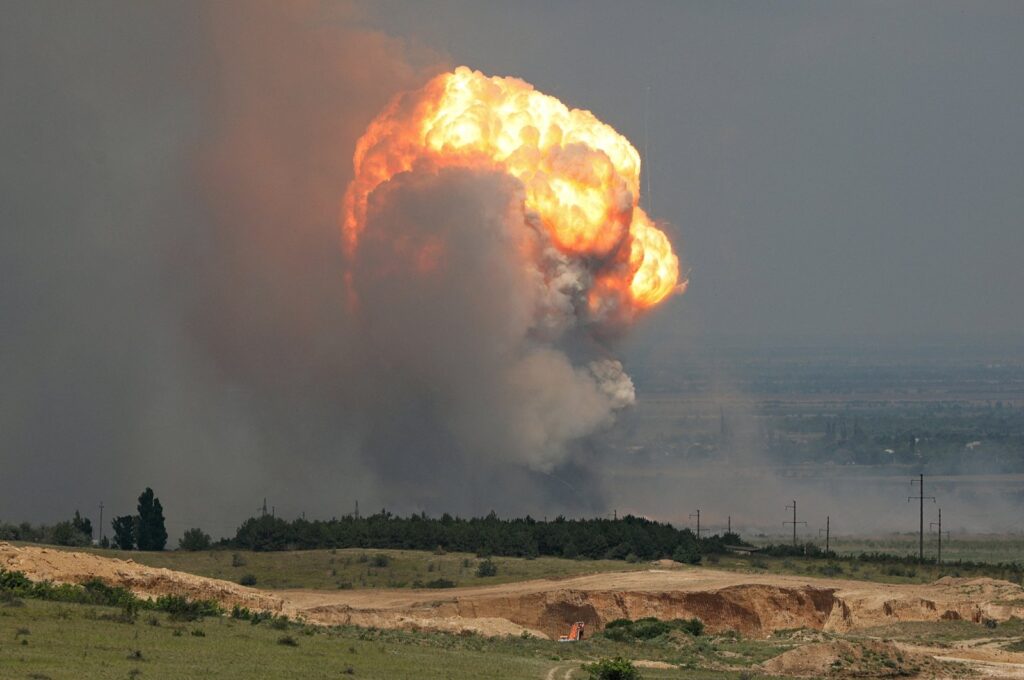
{"points": [[90, 642]]}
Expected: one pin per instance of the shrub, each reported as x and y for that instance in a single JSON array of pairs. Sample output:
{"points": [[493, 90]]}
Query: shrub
{"points": [[649, 628], [287, 641], [182, 609], [694, 626], [486, 568], [380, 560], [831, 569], [237, 560], [624, 630], [247, 580], [612, 669], [440, 583]]}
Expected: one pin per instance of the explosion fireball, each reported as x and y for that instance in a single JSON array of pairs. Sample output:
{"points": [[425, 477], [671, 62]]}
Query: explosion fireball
{"points": [[580, 181], [493, 234]]}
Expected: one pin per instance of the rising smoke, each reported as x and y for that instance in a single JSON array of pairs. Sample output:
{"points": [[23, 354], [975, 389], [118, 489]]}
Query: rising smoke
{"points": [[178, 316]]}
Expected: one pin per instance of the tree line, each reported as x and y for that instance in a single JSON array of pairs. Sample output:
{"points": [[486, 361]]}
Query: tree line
{"points": [[626, 538], [143, 531]]}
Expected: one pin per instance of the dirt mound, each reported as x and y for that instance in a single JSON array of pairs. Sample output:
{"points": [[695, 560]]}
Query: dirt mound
{"points": [[840, 658], [753, 610], [752, 604], [62, 566]]}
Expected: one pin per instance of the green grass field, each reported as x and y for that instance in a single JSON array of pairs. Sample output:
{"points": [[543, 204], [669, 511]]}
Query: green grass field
{"points": [[358, 568], [992, 548], [40, 640], [848, 567]]}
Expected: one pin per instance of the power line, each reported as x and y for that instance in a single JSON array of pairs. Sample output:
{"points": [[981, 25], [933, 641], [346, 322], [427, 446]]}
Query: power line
{"points": [[794, 522], [922, 498]]}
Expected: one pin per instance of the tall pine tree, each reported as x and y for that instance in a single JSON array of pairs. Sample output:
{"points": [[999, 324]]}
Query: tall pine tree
{"points": [[152, 535]]}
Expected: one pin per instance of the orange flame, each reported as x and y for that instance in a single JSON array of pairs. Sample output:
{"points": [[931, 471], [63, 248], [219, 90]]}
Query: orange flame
{"points": [[581, 177]]}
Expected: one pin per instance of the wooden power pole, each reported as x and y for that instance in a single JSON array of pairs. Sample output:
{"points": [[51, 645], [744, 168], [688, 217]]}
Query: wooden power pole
{"points": [[922, 498], [794, 522], [939, 523]]}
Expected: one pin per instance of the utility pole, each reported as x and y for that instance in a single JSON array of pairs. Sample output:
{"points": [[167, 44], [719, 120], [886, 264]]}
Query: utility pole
{"points": [[697, 515], [828, 521], [922, 498], [101, 521], [357, 508], [263, 510], [939, 523], [729, 530], [794, 522], [615, 515]]}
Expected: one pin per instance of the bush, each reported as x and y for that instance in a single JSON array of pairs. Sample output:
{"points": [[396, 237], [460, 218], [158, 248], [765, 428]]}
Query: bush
{"points": [[612, 669], [182, 609], [694, 626], [831, 569], [288, 641], [649, 628], [624, 630], [486, 568], [686, 554], [380, 560], [194, 539], [440, 583], [247, 580]]}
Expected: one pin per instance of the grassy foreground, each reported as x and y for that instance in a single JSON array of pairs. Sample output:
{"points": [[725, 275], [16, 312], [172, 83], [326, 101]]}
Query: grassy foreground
{"points": [[41, 640]]}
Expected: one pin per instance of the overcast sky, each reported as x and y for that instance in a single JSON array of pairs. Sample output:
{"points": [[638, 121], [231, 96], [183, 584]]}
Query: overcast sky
{"points": [[830, 168], [171, 305]]}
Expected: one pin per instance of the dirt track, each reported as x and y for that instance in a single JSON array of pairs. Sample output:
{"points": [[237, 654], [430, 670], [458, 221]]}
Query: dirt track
{"points": [[753, 604]]}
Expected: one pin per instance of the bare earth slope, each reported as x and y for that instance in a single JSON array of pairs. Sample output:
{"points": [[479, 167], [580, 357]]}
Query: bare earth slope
{"points": [[753, 604], [62, 566]]}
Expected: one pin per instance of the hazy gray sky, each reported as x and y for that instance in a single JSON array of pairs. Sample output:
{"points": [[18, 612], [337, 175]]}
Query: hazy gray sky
{"points": [[171, 305], [831, 168]]}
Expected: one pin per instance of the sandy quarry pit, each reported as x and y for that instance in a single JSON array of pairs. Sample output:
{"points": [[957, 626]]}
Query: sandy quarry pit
{"points": [[753, 604]]}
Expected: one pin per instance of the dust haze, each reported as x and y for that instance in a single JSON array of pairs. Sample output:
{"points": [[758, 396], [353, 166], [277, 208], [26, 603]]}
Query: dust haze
{"points": [[174, 312]]}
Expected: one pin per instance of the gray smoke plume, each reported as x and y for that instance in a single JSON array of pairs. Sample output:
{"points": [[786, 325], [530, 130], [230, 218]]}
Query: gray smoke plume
{"points": [[174, 310]]}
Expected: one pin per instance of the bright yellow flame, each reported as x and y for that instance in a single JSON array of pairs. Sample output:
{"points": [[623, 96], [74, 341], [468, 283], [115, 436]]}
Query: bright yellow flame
{"points": [[580, 176]]}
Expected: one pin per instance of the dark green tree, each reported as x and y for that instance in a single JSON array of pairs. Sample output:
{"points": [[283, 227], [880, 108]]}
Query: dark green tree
{"points": [[124, 532], [194, 539], [152, 534], [82, 524], [65, 533]]}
